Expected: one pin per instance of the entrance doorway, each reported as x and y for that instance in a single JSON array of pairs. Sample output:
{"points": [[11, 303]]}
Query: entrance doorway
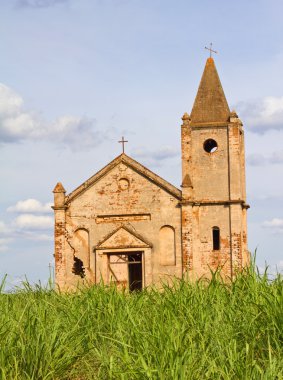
{"points": [[125, 269], [135, 271]]}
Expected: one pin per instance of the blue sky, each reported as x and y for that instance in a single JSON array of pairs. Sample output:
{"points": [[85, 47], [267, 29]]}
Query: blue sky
{"points": [[76, 75]]}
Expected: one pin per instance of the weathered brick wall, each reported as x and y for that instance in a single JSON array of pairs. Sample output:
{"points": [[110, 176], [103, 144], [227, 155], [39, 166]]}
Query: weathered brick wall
{"points": [[209, 171], [123, 197], [205, 218], [216, 198]]}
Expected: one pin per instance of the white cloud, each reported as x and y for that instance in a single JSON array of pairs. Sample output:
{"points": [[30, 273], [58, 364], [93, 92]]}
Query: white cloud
{"points": [[78, 133], [154, 157], [26, 227], [30, 205], [276, 222], [262, 115], [4, 244], [4, 229], [37, 222], [17, 124], [258, 159], [266, 197], [6, 236], [277, 157], [35, 236], [275, 225]]}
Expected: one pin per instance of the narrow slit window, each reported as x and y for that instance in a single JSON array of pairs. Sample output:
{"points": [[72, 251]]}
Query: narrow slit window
{"points": [[216, 238]]}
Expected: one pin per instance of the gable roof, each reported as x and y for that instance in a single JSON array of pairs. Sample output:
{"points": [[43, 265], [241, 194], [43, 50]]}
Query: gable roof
{"points": [[123, 237], [136, 166], [210, 104]]}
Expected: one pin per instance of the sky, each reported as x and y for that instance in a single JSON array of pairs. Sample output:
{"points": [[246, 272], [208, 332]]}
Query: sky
{"points": [[77, 75]]}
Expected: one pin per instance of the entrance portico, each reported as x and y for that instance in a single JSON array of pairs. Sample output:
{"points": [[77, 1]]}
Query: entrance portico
{"points": [[124, 259]]}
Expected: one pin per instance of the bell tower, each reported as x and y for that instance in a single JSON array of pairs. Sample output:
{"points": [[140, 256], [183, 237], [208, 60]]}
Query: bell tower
{"points": [[214, 227]]}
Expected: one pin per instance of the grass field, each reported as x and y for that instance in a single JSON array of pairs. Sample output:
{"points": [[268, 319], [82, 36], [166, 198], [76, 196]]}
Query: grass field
{"points": [[200, 331]]}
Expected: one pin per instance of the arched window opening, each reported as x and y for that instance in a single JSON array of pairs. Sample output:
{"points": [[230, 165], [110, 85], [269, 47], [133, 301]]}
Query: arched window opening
{"points": [[81, 246], [167, 246], [216, 238]]}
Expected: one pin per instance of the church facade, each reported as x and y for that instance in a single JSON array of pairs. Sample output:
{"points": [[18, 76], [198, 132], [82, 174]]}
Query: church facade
{"points": [[128, 226]]}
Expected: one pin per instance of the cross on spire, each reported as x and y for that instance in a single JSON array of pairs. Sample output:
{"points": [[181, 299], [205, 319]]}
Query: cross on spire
{"points": [[123, 141], [210, 49]]}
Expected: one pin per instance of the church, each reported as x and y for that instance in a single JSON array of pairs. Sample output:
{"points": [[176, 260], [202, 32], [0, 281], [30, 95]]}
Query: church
{"points": [[127, 226]]}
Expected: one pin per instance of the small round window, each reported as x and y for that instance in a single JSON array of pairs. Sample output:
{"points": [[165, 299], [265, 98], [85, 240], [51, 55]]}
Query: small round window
{"points": [[210, 146], [123, 183]]}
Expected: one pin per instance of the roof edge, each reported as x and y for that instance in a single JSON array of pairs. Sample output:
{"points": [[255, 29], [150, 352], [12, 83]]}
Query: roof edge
{"points": [[134, 165], [129, 230]]}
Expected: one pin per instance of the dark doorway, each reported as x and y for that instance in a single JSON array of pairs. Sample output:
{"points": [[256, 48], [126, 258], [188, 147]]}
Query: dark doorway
{"points": [[135, 271]]}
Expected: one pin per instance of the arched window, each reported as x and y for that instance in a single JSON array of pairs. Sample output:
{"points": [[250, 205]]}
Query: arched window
{"points": [[81, 246], [216, 238], [167, 246]]}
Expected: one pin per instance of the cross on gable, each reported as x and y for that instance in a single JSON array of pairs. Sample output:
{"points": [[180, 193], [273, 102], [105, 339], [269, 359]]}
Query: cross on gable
{"points": [[210, 49], [123, 141]]}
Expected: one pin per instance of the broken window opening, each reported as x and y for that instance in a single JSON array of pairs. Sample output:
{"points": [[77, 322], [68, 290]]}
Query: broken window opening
{"points": [[216, 238], [78, 267]]}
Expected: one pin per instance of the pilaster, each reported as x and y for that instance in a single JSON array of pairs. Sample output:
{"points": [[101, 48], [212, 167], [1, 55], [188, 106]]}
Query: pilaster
{"points": [[187, 194], [237, 191], [59, 234], [234, 157]]}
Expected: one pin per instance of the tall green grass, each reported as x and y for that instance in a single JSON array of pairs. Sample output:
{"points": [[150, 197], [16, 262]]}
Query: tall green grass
{"points": [[188, 331]]}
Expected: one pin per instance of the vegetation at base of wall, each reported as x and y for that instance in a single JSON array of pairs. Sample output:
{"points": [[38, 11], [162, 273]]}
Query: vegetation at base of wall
{"points": [[188, 331]]}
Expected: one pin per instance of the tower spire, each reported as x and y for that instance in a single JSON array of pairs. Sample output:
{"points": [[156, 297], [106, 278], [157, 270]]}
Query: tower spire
{"points": [[210, 104]]}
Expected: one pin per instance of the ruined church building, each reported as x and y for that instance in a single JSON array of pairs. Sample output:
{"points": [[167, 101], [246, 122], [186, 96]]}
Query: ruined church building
{"points": [[128, 226]]}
